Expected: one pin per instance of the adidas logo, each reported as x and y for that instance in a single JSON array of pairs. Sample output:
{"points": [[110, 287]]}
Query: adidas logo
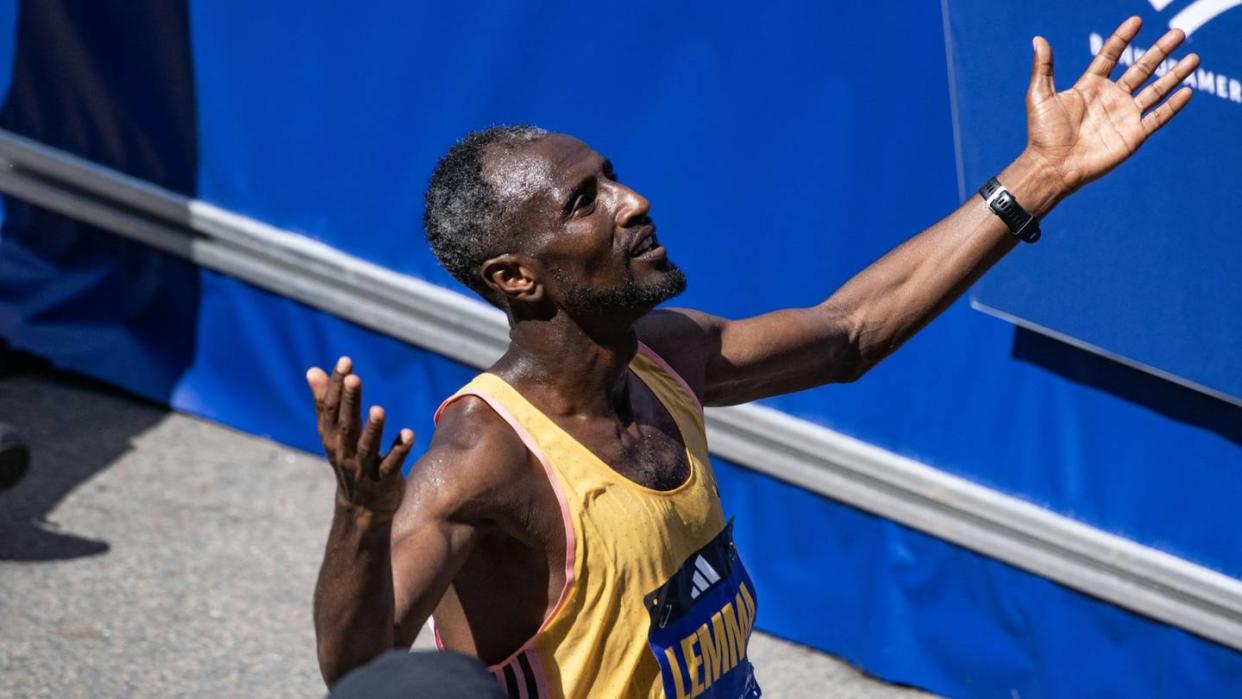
{"points": [[704, 577]]}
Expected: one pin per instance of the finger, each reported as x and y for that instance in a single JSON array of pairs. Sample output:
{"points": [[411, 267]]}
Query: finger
{"points": [[1161, 115], [1146, 65], [1042, 84], [1107, 58], [368, 443], [348, 423], [317, 380], [1156, 91], [396, 455], [332, 397]]}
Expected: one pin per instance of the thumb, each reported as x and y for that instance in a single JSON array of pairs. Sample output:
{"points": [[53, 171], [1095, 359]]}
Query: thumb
{"points": [[1042, 85]]}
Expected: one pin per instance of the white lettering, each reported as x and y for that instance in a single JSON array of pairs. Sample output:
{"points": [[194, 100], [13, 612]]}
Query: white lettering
{"points": [[1207, 81], [1218, 84], [1097, 43]]}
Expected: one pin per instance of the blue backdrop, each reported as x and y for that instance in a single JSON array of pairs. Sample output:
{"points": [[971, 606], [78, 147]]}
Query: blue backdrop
{"points": [[769, 143]]}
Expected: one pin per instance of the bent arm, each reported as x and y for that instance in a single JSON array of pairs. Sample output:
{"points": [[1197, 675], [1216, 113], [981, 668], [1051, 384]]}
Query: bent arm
{"points": [[353, 604], [373, 567], [382, 576]]}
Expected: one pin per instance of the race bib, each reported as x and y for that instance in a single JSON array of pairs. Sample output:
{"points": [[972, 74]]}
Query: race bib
{"points": [[701, 621]]}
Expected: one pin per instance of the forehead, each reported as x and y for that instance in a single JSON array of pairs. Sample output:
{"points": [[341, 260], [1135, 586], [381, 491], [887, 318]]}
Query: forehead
{"points": [[550, 164], [564, 154]]}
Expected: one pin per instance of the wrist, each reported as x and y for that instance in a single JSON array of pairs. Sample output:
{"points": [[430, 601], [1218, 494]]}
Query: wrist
{"points": [[1037, 186], [359, 517]]}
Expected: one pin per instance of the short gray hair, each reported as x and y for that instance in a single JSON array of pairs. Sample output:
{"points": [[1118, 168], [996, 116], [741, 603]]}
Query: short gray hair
{"points": [[464, 212]]}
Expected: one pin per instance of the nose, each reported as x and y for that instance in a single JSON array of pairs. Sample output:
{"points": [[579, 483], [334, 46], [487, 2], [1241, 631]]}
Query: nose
{"points": [[632, 207]]}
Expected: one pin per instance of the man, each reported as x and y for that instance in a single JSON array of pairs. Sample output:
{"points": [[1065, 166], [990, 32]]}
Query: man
{"points": [[563, 526]]}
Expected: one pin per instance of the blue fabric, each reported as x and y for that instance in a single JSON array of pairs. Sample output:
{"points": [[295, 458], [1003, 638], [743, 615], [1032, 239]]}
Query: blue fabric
{"points": [[83, 297], [8, 31], [8, 46], [250, 373], [771, 144], [908, 607]]}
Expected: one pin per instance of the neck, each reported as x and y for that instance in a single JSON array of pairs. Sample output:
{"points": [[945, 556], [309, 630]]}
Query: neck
{"points": [[570, 366]]}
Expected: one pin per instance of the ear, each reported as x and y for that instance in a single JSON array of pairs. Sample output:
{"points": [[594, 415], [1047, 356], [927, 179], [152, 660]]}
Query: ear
{"points": [[514, 277]]}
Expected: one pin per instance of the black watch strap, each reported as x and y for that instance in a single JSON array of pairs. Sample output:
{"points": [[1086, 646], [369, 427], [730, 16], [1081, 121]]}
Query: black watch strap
{"points": [[1021, 223]]}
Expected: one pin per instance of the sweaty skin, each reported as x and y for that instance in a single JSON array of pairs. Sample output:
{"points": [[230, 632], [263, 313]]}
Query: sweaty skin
{"points": [[474, 533]]}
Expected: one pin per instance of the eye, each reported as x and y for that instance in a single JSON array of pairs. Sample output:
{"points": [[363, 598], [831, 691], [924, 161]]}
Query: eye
{"points": [[584, 200]]}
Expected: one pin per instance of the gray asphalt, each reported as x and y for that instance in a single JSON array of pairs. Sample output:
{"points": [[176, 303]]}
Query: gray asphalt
{"points": [[152, 554]]}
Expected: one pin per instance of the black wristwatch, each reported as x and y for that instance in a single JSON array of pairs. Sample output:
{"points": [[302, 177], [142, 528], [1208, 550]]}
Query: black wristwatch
{"points": [[1021, 223]]}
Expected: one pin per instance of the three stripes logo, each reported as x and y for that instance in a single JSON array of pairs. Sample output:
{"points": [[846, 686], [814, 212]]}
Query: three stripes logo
{"points": [[698, 578], [704, 577]]}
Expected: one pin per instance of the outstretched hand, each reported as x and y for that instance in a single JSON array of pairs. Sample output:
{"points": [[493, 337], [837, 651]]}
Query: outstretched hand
{"points": [[1092, 127], [365, 478]]}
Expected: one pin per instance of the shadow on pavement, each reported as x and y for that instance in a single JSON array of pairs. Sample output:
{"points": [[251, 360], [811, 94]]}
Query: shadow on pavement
{"points": [[74, 431]]}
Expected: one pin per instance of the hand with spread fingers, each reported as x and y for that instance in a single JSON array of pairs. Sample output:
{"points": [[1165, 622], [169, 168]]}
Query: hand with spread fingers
{"points": [[365, 478], [1092, 127]]}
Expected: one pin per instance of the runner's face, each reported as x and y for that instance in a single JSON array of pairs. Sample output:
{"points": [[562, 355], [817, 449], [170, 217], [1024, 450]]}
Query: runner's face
{"points": [[591, 234]]}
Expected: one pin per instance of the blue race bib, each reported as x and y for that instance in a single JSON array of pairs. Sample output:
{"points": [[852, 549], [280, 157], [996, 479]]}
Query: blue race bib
{"points": [[701, 621]]}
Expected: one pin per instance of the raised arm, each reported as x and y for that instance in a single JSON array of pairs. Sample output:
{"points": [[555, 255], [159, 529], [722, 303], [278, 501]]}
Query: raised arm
{"points": [[396, 544], [1074, 137], [353, 606]]}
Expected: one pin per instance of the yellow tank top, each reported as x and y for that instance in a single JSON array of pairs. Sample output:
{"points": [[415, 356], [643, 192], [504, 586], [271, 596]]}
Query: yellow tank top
{"points": [[656, 601]]}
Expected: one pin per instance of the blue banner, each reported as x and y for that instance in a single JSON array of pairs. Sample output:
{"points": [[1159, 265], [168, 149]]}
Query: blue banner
{"points": [[1142, 266]]}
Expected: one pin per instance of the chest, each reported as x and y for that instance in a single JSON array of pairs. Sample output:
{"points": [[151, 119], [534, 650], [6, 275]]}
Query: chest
{"points": [[643, 444]]}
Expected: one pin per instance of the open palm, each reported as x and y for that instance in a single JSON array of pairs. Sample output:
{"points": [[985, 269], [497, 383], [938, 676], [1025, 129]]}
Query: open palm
{"points": [[1089, 129]]}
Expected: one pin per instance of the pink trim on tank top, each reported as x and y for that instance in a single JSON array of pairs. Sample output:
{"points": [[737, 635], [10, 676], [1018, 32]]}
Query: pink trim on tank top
{"points": [[566, 519], [659, 361], [435, 633]]}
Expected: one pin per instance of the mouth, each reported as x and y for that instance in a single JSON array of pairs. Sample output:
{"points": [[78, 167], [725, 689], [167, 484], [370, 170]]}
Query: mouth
{"points": [[647, 247]]}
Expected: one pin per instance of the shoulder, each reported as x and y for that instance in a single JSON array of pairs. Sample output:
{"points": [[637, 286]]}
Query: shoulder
{"points": [[469, 425], [685, 339], [473, 470]]}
